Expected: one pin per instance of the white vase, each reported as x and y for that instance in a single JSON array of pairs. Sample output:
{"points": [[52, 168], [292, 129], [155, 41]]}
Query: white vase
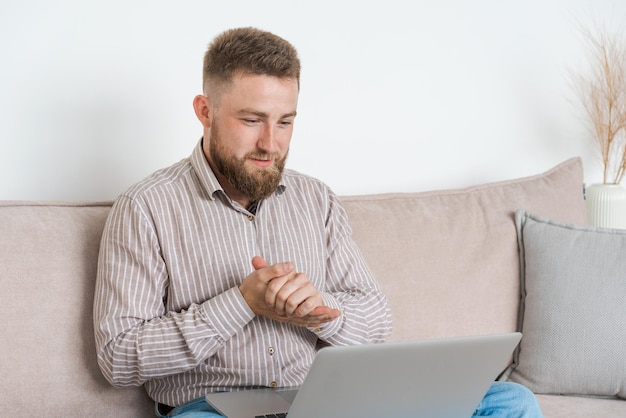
{"points": [[606, 205]]}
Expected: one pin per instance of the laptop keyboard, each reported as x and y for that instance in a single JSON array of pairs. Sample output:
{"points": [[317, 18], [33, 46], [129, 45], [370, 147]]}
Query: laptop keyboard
{"points": [[272, 416]]}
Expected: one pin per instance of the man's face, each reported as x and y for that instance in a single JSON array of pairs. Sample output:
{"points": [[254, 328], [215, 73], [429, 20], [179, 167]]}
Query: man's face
{"points": [[250, 135]]}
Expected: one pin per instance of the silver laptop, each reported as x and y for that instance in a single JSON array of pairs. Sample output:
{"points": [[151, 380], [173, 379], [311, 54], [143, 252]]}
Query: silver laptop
{"points": [[429, 378]]}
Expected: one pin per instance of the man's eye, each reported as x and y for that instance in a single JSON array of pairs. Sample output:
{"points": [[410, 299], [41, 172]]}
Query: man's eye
{"points": [[251, 121]]}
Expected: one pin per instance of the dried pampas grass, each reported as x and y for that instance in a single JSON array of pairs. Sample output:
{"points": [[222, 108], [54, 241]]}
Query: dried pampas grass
{"points": [[602, 93]]}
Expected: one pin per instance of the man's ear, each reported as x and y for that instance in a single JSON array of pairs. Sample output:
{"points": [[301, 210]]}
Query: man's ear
{"points": [[203, 108]]}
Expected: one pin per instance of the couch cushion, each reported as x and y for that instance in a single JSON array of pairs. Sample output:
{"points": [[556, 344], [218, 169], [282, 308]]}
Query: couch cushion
{"points": [[573, 282], [580, 407], [448, 260], [48, 256]]}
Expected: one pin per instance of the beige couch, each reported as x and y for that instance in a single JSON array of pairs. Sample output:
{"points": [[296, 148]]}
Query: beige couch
{"points": [[448, 261]]}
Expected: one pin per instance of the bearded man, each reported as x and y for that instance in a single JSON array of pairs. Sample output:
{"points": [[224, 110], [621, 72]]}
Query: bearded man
{"points": [[225, 270]]}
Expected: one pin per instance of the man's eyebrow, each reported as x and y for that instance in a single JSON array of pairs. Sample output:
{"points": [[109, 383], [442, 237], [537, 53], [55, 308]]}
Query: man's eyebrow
{"points": [[263, 114]]}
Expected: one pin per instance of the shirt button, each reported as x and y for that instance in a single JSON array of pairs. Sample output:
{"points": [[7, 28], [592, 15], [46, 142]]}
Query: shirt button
{"points": [[274, 384], [271, 350], [250, 218], [318, 329]]}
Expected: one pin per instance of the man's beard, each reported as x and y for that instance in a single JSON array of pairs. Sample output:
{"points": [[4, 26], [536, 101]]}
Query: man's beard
{"points": [[255, 184]]}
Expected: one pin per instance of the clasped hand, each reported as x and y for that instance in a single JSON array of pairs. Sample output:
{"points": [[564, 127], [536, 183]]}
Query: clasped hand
{"points": [[280, 293]]}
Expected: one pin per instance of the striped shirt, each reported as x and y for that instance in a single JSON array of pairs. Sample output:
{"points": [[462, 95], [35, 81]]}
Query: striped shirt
{"points": [[168, 312]]}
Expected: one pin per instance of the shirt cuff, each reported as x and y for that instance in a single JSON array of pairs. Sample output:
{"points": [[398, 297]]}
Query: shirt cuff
{"points": [[227, 313], [327, 330]]}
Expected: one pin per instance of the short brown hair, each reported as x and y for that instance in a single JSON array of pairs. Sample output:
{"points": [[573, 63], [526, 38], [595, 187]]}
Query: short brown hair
{"points": [[250, 51]]}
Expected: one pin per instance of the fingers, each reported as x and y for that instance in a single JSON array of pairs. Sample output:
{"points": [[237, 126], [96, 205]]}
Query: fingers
{"points": [[271, 272], [253, 288], [318, 317], [290, 293], [259, 262], [289, 296]]}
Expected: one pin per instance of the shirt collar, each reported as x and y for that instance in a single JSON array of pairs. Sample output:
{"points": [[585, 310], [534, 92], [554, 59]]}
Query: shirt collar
{"points": [[204, 172]]}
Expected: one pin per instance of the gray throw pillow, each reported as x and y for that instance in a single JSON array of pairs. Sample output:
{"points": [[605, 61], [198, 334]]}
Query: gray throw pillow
{"points": [[573, 309]]}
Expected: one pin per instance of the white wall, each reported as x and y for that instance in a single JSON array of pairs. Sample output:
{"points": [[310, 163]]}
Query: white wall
{"points": [[396, 95]]}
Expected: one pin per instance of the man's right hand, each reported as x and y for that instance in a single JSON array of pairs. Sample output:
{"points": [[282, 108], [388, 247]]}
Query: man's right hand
{"points": [[280, 293]]}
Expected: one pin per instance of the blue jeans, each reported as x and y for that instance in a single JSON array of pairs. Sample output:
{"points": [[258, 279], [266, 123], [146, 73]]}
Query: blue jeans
{"points": [[504, 399], [508, 400], [197, 408]]}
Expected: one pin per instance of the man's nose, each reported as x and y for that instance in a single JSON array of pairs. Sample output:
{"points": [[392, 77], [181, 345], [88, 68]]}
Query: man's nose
{"points": [[267, 139]]}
